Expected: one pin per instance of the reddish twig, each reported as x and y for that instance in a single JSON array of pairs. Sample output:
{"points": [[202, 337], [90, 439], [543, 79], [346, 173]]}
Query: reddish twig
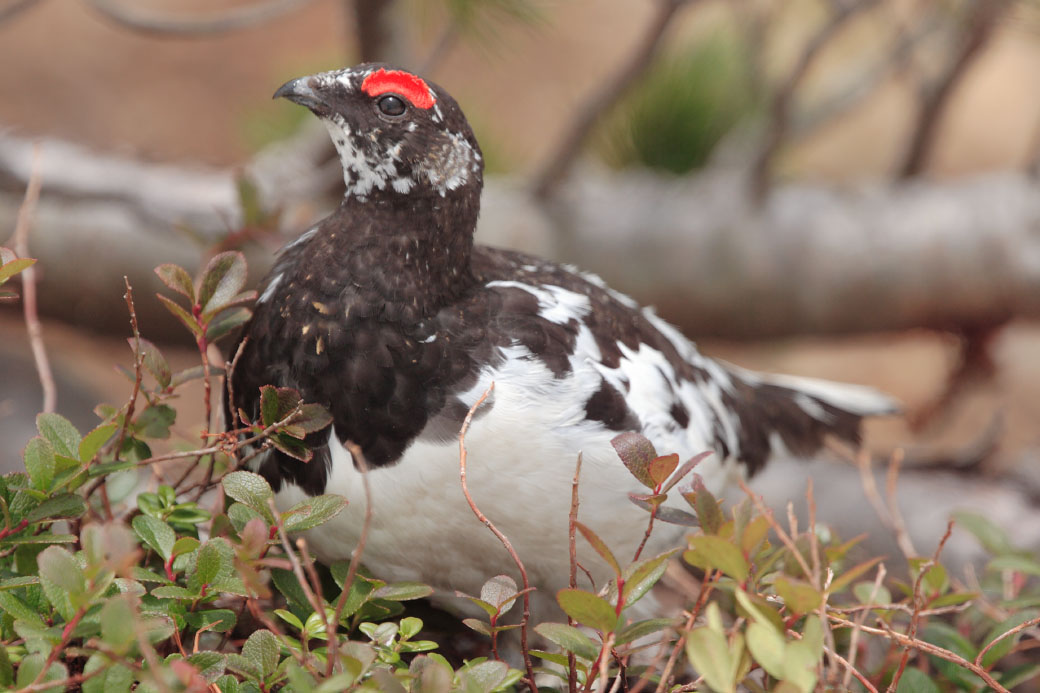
{"points": [[569, 146], [979, 28], [529, 667], [918, 600], [780, 108], [926, 647], [32, 319], [572, 518], [707, 584], [1017, 629], [355, 557]]}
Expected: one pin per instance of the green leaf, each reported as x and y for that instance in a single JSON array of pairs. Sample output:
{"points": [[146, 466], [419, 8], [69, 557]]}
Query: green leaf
{"points": [[1002, 648], [713, 657], [222, 279], [483, 677], [500, 592], [636, 452], [569, 638], [209, 563], [846, 578], [588, 609], [116, 678], [718, 553], [289, 586], [863, 590], [224, 619], [209, 664], [18, 609], [992, 537], [60, 432], [40, 463], [403, 591], [313, 512], [12, 267], [227, 321], [477, 625], [155, 421], [156, 534], [290, 618], [1017, 563], [117, 623], [262, 650], [174, 592], [599, 545], [641, 576], [178, 279], [916, 681], [944, 635], [154, 362], [184, 316], [93, 441], [63, 505], [754, 533], [799, 596], [62, 580], [709, 513], [31, 667], [639, 629], [767, 647], [250, 489]]}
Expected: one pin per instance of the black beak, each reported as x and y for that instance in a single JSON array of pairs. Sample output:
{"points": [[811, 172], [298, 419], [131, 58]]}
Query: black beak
{"points": [[299, 91]]}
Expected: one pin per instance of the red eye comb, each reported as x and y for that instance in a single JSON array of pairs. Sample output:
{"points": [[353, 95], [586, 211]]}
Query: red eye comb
{"points": [[400, 82]]}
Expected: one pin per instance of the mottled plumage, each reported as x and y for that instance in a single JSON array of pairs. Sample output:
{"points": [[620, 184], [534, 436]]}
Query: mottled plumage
{"points": [[386, 313]]}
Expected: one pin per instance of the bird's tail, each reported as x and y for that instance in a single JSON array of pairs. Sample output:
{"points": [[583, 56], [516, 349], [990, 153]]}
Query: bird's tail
{"points": [[778, 414]]}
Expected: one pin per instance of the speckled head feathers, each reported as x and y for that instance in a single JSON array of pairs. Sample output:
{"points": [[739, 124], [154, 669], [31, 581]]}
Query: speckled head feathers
{"points": [[396, 133]]}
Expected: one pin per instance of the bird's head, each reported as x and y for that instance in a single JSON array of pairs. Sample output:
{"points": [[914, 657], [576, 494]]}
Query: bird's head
{"points": [[396, 133]]}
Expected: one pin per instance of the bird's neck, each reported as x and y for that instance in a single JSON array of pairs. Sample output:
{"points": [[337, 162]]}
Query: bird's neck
{"points": [[410, 248]]}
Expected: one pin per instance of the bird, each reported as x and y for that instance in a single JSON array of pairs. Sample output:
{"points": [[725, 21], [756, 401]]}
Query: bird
{"points": [[390, 316]]}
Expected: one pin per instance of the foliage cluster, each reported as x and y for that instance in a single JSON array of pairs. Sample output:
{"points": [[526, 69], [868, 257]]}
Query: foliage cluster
{"points": [[107, 587], [674, 118]]}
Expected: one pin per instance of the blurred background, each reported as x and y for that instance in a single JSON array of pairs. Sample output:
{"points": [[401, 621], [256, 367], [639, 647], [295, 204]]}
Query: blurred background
{"points": [[844, 189]]}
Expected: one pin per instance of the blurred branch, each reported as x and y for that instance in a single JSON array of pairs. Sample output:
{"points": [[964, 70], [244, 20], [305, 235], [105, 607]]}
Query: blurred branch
{"points": [[32, 318], [600, 102], [978, 30], [15, 7], [942, 254], [376, 31], [216, 23], [865, 80], [780, 109]]}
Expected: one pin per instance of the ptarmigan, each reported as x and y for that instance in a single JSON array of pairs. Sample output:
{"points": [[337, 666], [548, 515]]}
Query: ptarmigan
{"points": [[387, 313]]}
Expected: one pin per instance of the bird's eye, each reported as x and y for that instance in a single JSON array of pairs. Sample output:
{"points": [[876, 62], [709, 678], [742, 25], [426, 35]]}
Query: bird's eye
{"points": [[391, 105]]}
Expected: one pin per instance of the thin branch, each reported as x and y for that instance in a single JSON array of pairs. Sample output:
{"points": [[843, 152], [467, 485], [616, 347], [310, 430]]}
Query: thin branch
{"points": [[16, 8], [138, 367], [854, 638], [569, 146], [780, 108], [355, 558], [501, 537], [785, 539], [979, 28], [217, 23], [572, 518], [918, 601], [926, 647], [32, 318], [707, 584], [445, 42], [1017, 629]]}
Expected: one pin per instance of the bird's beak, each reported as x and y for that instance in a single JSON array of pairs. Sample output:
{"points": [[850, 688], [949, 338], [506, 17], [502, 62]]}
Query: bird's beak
{"points": [[300, 91]]}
